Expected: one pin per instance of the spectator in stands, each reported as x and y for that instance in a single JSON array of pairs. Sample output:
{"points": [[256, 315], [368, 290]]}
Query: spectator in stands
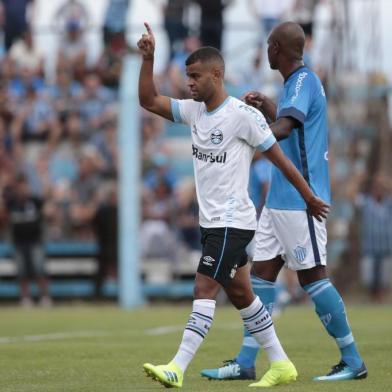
{"points": [[152, 130], [26, 55], [75, 131], [158, 210], [187, 216], [159, 172], [72, 54], [211, 21], [303, 13], [36, 120], [71, 11], [115, 23], [94, 103], [37, 173], [109, 66], [63, 94], [105, 225], [174, 15], [252, 78], [269, 14], [84, 192], [58, 211], [176, 71], [19, 82], [106, 142], [26, 216], [15, 13], [376, 213], [63, 165]]}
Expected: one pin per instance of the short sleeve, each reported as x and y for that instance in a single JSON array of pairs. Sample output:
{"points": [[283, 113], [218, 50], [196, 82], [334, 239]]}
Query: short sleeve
{"points": [[183, 110], [298, 98], [254, 128]]}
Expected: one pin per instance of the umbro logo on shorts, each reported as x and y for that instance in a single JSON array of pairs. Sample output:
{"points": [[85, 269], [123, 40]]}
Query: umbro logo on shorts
{"points": [[300, 253], [208, 260]]}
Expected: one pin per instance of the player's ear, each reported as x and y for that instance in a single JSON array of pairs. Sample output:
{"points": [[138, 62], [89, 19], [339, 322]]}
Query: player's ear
{"points": [[217, 72], [276, 47]]}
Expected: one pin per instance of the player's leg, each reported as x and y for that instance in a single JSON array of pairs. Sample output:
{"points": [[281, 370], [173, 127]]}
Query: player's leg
{"points": [[305, 240], [209, 278], [330, 308], [256, 318], [24, 273], [263, 277], [258, 322], [38, 261]]}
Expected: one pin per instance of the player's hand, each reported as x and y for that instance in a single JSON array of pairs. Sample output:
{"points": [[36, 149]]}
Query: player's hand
{"points": [[255, 99], [146, 44], [318, 208]]}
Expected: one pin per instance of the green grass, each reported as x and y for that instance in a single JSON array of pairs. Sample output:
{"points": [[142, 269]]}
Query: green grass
{"points": [[103, 348]]}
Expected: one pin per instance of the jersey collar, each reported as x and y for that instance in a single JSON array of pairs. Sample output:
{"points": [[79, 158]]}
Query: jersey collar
{"points": [[224, 103], [294, 72]]}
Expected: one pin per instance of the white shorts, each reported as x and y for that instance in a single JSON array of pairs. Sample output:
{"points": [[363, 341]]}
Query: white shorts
{"points": [[301, 241]]}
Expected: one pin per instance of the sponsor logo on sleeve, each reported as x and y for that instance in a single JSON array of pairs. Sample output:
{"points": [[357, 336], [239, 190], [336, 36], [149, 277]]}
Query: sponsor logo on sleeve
{"points": [[258, 116]]}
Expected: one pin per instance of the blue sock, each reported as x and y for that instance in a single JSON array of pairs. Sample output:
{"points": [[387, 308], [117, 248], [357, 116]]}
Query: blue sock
{"points": [[250, 348], [330, 308]]}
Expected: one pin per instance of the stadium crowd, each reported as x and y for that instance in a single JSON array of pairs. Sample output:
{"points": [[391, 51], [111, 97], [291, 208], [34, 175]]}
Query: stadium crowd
{"points": [[58, 140]]}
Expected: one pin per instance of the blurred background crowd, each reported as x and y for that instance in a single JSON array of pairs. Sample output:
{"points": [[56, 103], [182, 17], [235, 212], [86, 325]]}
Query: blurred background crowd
{"points": [[59, 150]]}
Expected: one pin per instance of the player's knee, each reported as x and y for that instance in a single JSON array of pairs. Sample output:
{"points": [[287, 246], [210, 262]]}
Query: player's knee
{"points": [[309, 276], [240, 296], [262, 271], [205, 288], [239, 300]]}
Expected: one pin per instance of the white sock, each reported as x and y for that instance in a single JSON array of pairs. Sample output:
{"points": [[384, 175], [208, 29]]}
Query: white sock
{"points": [[259, 323], [196, 330]]}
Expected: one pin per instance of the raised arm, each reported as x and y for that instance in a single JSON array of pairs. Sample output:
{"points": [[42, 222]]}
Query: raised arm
{"points": [[149, 97], [316, 207]]}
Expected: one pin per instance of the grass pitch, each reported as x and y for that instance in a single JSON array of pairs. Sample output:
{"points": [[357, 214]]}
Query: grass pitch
{"points": [[102, 349]]}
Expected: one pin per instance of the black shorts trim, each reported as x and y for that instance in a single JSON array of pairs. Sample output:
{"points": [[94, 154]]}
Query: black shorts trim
{"points": [[221, 256]]}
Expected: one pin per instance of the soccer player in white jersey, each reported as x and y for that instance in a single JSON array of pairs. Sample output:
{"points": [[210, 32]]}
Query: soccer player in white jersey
{"points": [[286, 233], [225, 133]]}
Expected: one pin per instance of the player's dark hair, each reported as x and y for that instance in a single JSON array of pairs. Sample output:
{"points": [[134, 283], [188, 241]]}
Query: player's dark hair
{"points": [[205, 54]]}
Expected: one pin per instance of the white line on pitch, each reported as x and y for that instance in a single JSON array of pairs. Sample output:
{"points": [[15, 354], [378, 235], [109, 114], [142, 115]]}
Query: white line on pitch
{"points": [[164, 330], [52, 336]]}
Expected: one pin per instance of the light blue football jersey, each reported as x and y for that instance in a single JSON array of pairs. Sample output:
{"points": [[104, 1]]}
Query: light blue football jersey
{"points": [[303, 98]]}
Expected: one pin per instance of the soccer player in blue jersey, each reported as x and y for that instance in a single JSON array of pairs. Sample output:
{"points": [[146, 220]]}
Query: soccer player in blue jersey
{"points": [[286, 233]]}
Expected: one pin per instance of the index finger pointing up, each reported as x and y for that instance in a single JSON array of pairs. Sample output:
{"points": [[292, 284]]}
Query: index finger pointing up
{"points": [[148, 28]]}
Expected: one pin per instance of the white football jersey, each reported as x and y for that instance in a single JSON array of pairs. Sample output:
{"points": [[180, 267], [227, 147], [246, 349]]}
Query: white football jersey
{"points": [[223, 144]]}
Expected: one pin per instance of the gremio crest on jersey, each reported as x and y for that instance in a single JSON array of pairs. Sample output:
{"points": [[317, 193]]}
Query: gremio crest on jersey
{"points": [[216, 136]]}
